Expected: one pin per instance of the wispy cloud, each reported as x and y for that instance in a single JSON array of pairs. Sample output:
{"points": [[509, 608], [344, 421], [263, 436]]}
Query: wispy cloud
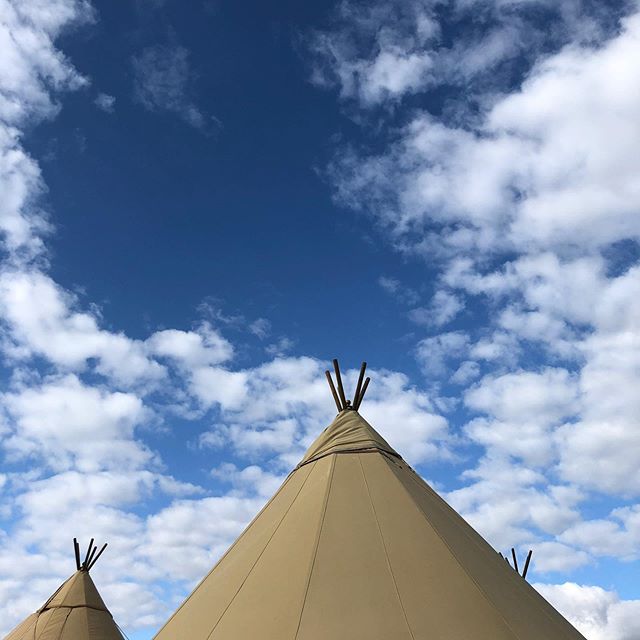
{"points": [[378, 53], [105, 102], [444, 307], [163, 81], [398, 290]]}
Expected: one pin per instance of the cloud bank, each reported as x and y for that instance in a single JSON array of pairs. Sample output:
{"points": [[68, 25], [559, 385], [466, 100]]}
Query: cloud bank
{"points": [[504, 158]]}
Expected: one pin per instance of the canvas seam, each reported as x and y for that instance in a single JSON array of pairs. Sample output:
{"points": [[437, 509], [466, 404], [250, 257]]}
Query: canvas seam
{"points": [[235, 595], [545, 609], [228, 551], [46, 624], [316, 546], [460, 564], [64, 624], [384, 546], [75, 606], [345, 451], [53, 595]]}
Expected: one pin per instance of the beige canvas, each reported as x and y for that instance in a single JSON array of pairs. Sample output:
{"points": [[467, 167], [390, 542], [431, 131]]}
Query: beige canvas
{"points": [[74, 612], [356, 546]]}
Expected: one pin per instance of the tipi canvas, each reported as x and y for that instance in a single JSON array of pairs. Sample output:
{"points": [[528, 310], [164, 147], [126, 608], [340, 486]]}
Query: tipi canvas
{"points": [[356, 546], [74, 612]]}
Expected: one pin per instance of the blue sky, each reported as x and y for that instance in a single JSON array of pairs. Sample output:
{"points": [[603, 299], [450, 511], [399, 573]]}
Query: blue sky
{"points": [[200, 206]]}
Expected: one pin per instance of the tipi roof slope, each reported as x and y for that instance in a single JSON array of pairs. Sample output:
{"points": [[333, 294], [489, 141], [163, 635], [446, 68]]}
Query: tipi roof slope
{"points": [[355, 546], [349, 432], [74, 612]]}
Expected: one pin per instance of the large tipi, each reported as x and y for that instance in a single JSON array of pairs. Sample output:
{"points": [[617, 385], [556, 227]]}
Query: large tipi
{"points": [[74, 612], [356, 546]]}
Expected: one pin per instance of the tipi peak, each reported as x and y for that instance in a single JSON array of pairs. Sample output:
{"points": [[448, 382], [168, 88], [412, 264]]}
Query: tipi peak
{"points": [[75, 611], [339, 397], [90, 558], [349, 432]]}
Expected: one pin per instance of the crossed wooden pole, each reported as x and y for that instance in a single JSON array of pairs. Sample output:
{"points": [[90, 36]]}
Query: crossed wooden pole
{"points": [[341, 401]]}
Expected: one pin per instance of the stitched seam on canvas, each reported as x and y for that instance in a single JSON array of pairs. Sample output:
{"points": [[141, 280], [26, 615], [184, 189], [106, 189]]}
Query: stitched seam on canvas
{"points": [[317, 545], [384, 546]]}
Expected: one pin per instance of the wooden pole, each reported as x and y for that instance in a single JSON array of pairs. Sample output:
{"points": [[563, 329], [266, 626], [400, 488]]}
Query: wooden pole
{"points": [[84, 564], [363, 368], [76, 549], [93, 553], [526, 564], [104, 546], [361, 396], [343, 399], [515, 560], [333, 391]]}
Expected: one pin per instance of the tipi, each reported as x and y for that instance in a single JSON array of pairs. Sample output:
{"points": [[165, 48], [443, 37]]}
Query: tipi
{"points": [[74, 612], [356, 546]]}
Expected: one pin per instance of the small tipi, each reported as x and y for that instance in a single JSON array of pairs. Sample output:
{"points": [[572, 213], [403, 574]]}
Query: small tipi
{"points": [[356, 546], [74, 612]]}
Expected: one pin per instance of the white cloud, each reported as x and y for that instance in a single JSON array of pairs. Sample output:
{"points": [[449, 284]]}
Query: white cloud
{"points": [[162, 82], [392, 74], [598, 614], [618, 536], [186, 538], [131, 604], [31, 69], [506, 500], [280, 348], [215, 385], [260, 328], [407, 419], [191, 348], [29, 575], [467, 371], [21, 222], [434, 353], [545, 398], [52, 328], [444, 307], [379, 52], [31, 66], [557, 557], [284, 405], [105, 102], [252, 480], [66, 424], [551, 165], [559, 300], [581, 315], [394, 287], [392, 64]]}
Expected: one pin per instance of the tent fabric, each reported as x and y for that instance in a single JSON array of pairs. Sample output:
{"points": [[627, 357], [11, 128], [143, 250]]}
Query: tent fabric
{"points": [[74, 612], [356, 546], [348, 432]]}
